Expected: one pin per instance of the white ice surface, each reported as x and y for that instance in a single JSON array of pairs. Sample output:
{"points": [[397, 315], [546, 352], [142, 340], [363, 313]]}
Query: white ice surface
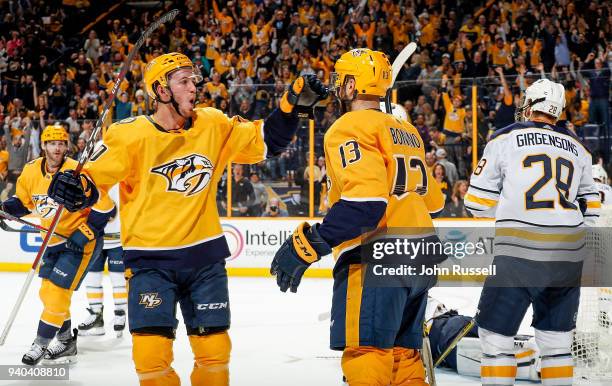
{"points": [[278, 339]]}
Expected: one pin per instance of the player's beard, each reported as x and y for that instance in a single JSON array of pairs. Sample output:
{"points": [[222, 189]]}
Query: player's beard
{"points": [[54, 160]]}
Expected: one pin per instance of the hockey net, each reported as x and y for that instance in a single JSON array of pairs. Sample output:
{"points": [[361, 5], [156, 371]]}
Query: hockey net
{"points": [[592, 347]]}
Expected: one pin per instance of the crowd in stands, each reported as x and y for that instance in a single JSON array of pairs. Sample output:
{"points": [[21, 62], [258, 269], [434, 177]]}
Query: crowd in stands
{"points": [[58, 64]]}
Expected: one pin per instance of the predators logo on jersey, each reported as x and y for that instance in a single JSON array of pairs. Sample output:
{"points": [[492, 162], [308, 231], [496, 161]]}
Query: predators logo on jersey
{"points": [[44, 206], [188, 175]]}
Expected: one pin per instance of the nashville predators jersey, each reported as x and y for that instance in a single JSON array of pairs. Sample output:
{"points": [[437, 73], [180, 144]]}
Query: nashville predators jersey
{"points": [[532, 176], [168, 182], [374, 157], [31, 191]]}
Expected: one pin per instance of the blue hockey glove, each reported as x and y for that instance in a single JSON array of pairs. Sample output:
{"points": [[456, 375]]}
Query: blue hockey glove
{"points": [[75, 193], [79, 238], [296, 254]]}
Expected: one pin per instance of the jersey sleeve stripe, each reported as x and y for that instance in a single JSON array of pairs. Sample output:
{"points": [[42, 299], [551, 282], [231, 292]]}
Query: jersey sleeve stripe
{"points": [[538, 225], [588, 194], [364, 199], [481, 201], [483, 189], [593, 204], [471, 208]]}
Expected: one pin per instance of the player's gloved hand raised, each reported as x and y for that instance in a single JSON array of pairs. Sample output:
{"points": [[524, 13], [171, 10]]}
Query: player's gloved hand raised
{"points": [[79, 238], [296, 254], [75, 193], [302, 94]]}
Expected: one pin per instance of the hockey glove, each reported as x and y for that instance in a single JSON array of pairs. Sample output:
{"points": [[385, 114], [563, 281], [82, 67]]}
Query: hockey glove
{"points": [[296, 254], [79, 238], [75, 193], [302, 95]]}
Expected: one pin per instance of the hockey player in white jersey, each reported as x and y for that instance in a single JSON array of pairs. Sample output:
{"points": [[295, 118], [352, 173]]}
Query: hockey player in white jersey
{"points": [[112, 253], [535, 179], [605, 190]]}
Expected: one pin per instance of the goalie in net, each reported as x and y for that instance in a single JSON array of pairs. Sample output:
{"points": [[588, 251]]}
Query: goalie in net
{"points": [[592, 345]]}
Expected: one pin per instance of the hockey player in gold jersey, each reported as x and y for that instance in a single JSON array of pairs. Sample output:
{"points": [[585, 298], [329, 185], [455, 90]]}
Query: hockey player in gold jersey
{"points": [[65, 262], [378, 180], [168, 166]]}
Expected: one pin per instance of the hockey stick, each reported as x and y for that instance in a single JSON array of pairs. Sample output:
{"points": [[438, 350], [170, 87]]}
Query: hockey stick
{"points": [[7, 228], [428, 357], [468, 327], [397, 65], [402, 58], [87, 152]]}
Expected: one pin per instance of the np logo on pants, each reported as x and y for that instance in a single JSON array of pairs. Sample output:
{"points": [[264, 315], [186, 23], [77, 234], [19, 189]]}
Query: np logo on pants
{"points": [[150, 300]]}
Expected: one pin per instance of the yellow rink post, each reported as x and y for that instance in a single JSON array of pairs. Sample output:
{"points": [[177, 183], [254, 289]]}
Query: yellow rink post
{"points": [[474, 126], [311, 168]]}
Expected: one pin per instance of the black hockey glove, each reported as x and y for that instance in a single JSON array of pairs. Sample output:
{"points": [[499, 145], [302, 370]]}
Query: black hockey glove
{"points": [[75, 193], [296, 254], [303, 94]]}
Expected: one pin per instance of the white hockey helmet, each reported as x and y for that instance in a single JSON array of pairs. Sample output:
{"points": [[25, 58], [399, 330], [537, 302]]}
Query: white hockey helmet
{"points": [[599, 173], [544, 96], [397, 110]]}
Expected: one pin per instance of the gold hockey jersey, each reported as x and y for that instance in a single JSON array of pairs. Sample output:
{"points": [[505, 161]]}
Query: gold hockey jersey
{"points": [[374, 157], [168, 183], [31, 190]]}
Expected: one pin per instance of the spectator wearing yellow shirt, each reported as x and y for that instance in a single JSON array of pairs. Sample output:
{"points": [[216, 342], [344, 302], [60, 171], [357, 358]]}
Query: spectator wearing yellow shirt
{"points": [[457, 48], [365, 30], [178, 39], [139, 107], [454, 128], [399, 29], [306, 11], [245, 61], [248, 9], [225, 20], [213, 44], [531, 49], [427, 29], [223, 63], [499, 52], [326, 15], [215, 88], [471, 30], [389, 7], [261, 31]]}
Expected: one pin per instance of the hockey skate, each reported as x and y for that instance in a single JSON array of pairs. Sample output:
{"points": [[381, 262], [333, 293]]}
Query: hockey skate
{"points": [[119, 322], [62, 351], [93, 325], [34, 355]]}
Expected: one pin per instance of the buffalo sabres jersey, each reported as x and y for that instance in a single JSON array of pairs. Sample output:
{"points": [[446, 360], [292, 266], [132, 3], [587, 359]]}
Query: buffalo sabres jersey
{"points": [[374, 157], [605, 193], [530, 178], [31, 191], [112, 230], [168, 182]]}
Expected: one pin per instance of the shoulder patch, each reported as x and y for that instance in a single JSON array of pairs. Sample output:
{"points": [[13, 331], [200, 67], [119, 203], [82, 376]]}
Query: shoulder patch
{"points": [[126, 120]]}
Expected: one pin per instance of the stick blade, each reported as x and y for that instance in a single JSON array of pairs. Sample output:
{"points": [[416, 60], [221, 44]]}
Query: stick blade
{"points": [[402, 58]]}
